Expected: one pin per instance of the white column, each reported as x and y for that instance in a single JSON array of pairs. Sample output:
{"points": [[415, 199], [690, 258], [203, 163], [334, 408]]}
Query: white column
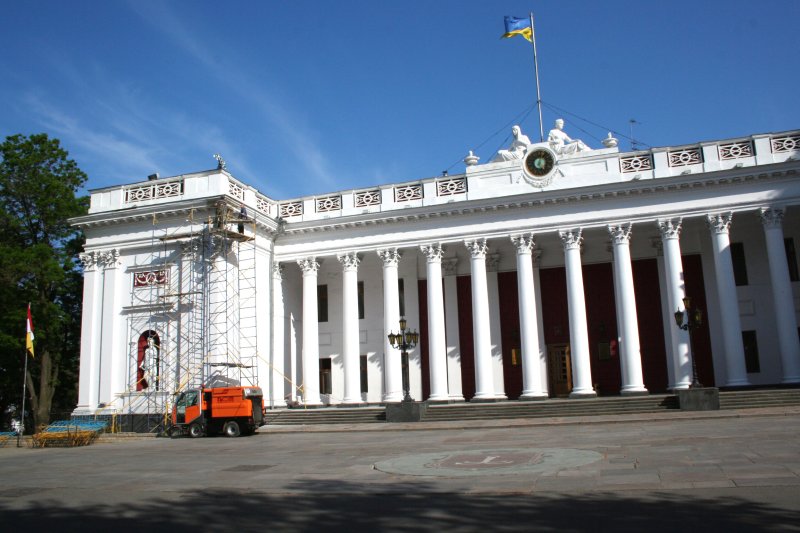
{"points": [[449, 268], [351, 354], [736, 371], [392, 365], [484, 376], [277, 381], [89, 378], [673, 268], [113, 348], [310, 332], [495, 329], [263, 302], [630, 353], [782, 296], [437, 346], [528, 320], [578, 330]]}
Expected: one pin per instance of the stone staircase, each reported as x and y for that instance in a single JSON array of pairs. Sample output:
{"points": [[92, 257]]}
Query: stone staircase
{"points": [[746, 399], [555, 407]]}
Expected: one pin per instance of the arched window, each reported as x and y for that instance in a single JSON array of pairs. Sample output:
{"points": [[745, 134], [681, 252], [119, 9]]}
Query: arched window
{"points": [[148, 361]]}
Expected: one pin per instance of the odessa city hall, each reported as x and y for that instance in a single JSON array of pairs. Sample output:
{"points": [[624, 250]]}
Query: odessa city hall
{"points": [[552, 270]]}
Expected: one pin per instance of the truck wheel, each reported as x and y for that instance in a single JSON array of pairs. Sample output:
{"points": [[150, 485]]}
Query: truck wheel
{"points": [[195, 430], [231, 429]]}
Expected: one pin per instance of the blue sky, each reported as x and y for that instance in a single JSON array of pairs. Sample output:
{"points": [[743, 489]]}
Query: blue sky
{"points": [[308, 97]]}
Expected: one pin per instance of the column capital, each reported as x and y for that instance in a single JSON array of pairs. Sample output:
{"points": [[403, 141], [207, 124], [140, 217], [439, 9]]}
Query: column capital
{"points": [[477, 248], [670, 228], [719, 223], [771, 217], [433, 252], [88, 260], [536, 257], [108, 258], [523, 242], [390, 256], [658, 244], [277, 271], [450, 266], [190, 249], [309, 265], [571, 239], [492, 262], [349, 261], [620, 233]]}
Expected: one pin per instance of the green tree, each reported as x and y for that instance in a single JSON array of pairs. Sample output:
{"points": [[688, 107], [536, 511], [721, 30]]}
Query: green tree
{"points": [[38, 194]]}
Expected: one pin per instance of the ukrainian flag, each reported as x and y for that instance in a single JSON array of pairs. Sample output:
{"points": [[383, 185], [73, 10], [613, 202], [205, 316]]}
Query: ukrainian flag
{"points": [[517, 26]]}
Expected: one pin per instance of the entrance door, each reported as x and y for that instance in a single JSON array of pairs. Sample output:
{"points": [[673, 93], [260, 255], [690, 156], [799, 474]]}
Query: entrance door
{"points": [[559, 365]]}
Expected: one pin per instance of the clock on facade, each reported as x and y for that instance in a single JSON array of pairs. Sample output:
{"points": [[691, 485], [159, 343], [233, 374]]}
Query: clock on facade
{"points": [[539, 162]]}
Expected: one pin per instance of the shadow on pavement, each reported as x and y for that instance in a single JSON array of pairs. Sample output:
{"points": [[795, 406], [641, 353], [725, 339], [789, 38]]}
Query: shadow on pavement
{"points": [[340, 506]]}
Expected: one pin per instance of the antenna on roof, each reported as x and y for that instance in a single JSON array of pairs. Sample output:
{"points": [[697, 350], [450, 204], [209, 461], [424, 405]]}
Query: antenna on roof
{"points": [[634, 144]]}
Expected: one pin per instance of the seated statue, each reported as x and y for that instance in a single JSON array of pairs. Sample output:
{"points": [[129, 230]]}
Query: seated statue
{"points": [[517, 149], [561, 143]]}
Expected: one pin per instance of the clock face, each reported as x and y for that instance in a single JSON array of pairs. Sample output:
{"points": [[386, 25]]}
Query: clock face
{"points": [[539, 162]]}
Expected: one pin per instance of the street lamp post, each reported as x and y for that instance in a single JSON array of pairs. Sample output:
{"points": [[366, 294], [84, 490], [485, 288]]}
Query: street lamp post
{"points": [[689, 320], [404, 341]]}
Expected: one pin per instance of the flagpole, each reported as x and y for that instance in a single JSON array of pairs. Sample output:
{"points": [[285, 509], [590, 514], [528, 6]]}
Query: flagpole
{"points": [[24, 386], [538, 91]]}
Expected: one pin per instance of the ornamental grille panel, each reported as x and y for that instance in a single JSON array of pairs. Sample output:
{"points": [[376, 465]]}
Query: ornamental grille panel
{"points": [[786, 144], [367, 198], [451, 186], [329, 203], [150, 278], [292, 209], [154, 191], [690, 156], [262, 205], [635, 163], [735, 150], [235, 190], [408, 193]]}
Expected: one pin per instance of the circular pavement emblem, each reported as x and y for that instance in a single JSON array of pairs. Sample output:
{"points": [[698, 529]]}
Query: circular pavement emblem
{"points": [[488, 462]]}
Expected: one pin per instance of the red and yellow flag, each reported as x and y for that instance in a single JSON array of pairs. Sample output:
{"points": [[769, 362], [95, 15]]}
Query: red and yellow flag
{"points": [[29, 334]]}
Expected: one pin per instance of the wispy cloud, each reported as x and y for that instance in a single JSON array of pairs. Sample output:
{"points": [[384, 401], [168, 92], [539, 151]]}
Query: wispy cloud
{"points": [[298, 140]]}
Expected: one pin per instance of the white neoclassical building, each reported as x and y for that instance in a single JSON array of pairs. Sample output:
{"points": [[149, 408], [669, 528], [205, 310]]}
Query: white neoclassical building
{"points": [[553, 270]]}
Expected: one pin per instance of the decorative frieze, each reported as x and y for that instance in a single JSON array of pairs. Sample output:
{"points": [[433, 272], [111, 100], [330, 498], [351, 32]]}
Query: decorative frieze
{"points": [[329, 203], [786, 144], [407, 193], [368, 198], [735, 150], [290, 209], [635, 163], [451, 186], [153, 191], [681, 158], [150, 278]]}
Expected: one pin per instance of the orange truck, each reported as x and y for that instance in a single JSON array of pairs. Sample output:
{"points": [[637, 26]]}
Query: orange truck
{"points": [[232, 411]]}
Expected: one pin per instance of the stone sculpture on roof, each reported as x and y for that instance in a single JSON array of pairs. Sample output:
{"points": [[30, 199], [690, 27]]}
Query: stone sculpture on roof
{"points": [[517, 149], [561, 143]]}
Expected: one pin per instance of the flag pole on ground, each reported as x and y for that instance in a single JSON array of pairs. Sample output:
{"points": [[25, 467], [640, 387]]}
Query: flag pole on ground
{"points": [[28, 350]]}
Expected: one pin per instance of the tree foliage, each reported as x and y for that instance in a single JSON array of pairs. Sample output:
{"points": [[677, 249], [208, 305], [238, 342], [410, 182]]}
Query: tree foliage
{"points": [[39, 187]]}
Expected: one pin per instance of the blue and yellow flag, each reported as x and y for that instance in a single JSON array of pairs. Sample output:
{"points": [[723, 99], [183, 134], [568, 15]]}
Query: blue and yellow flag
{"points": [[518, 26]]}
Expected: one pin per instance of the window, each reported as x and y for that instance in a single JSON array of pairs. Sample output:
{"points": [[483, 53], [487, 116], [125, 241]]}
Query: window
{"points": [[751, 352], [322, 303], [739, 265], [360, 299], [401, 292], [791, 259], [325, 375], [364, 380]]}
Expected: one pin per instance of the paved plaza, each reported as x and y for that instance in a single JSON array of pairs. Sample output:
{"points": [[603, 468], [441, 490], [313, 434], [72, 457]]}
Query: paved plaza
{"points": [[724, 471]]}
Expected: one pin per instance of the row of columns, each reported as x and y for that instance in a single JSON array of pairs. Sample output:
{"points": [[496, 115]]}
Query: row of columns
{"points": [[531, 343]]}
